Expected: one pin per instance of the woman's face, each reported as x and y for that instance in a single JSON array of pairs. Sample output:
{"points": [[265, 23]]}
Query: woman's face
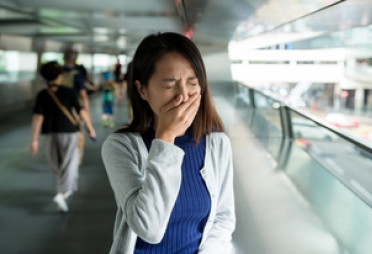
{"points": [[173, 76]]}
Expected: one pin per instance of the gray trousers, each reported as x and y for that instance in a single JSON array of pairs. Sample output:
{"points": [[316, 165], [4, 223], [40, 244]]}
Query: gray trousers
{"points": [[63, 157]]}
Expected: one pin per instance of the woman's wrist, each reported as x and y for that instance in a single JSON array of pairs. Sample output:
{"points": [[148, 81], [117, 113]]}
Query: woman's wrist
{"points": [[88, 127], [165, 137]]}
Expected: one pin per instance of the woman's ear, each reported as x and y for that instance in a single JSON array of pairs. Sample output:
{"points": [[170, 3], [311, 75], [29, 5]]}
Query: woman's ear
{"points": [[142, 90]]}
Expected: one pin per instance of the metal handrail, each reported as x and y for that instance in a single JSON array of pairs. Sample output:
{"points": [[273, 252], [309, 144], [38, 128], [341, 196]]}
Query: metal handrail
{"points": [[286, 123], [352, 139]]}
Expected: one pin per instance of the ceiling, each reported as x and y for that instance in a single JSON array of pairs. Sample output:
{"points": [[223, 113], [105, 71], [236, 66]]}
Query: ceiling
{"points": [[336, 22], [120, 25]]}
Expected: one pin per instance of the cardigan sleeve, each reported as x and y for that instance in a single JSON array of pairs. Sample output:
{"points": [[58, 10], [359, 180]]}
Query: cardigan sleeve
{"points": [[145, 198], [218, 238]]}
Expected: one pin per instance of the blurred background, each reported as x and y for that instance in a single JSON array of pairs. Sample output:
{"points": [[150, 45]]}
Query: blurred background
{"points": [[291, 79]]}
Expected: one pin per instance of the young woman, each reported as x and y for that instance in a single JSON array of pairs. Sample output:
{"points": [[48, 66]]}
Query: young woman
{"points": [[171, 168], [61, 134]]}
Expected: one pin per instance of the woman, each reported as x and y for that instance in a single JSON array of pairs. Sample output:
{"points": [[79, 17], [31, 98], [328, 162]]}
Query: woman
{"points": [[171, 168], [61, 134]]}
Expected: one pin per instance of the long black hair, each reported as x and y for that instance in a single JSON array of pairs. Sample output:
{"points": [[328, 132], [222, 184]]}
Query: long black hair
{"points": [[149, 51]]}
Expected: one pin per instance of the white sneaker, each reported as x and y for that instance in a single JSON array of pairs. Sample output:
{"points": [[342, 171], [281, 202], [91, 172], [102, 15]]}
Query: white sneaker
{"points": [[61, 203]]}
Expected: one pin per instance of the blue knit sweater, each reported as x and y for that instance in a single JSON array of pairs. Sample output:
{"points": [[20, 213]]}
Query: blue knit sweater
{"points": [[192, 207]]}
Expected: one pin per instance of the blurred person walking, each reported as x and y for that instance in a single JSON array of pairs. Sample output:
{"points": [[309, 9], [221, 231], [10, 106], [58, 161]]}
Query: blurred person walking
{"points": [[120, 84], [85, 75], [52, 114], [118, 73], [111, 90], [72, 78]]}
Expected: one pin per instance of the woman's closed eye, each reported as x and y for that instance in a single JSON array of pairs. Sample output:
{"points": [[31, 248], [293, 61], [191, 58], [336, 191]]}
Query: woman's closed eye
{"points": [[170, 85], [193, 81]]}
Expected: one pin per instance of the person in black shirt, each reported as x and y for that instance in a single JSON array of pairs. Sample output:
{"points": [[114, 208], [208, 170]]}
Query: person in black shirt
{"points": [[75, 77], [118, 72], [60, 132], [87, 82]]}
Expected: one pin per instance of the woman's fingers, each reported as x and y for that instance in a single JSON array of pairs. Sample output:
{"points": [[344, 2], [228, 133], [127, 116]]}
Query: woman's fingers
{"points": [[175, 117], [193, 108], [184, 106], [183, 110], [92, 133], [172, 104], [176, 104]]}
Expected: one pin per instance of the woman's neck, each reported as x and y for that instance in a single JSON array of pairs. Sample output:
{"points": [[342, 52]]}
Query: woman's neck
{"points": [[53, 86]]}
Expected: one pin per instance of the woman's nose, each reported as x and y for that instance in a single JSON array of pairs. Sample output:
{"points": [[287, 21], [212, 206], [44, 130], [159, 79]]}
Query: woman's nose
{"points": [[184, 92]]}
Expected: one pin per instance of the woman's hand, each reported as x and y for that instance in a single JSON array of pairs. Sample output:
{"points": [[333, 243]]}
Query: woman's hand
{"points": [[88, 125], [175, 117], [37, 121], [34, 147], [91, 132]]}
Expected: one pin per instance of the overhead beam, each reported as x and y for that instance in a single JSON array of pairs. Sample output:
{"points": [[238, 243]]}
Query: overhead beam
{"points": [[47, 35], [10, 22]]}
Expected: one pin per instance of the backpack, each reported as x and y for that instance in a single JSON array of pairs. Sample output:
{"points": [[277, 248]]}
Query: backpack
{"points": [[69, 77]]}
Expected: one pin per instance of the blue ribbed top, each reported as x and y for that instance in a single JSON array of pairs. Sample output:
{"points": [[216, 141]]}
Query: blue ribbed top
{"points": [[192, 207]]}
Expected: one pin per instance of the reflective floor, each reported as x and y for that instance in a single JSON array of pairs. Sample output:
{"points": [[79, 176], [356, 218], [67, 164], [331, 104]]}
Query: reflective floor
{"points": [[289, 211], [272, 215]]}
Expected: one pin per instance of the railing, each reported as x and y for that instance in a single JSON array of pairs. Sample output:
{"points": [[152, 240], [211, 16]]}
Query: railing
{"points": [[329, 167], [272, 120]]}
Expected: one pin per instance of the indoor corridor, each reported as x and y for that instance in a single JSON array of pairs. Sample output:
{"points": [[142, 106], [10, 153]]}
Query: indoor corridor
{"points": [[280, 210]]}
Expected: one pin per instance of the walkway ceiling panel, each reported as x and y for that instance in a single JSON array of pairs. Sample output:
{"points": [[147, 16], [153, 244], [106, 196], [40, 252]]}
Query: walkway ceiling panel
{"points": [[147, 24], [26, 29], [123, 6], [274, 13], [6, 14], [219, 20], [211, 23], [223, 20], [109, 22], [343, 16], [72, 38]]}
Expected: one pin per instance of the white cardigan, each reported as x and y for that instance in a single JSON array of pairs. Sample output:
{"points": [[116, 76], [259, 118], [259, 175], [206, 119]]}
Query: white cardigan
{"points": [[146, 186]]}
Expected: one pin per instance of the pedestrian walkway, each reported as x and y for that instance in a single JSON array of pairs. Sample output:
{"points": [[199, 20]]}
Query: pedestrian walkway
{"points": [[272, 217], [29, 221]]}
